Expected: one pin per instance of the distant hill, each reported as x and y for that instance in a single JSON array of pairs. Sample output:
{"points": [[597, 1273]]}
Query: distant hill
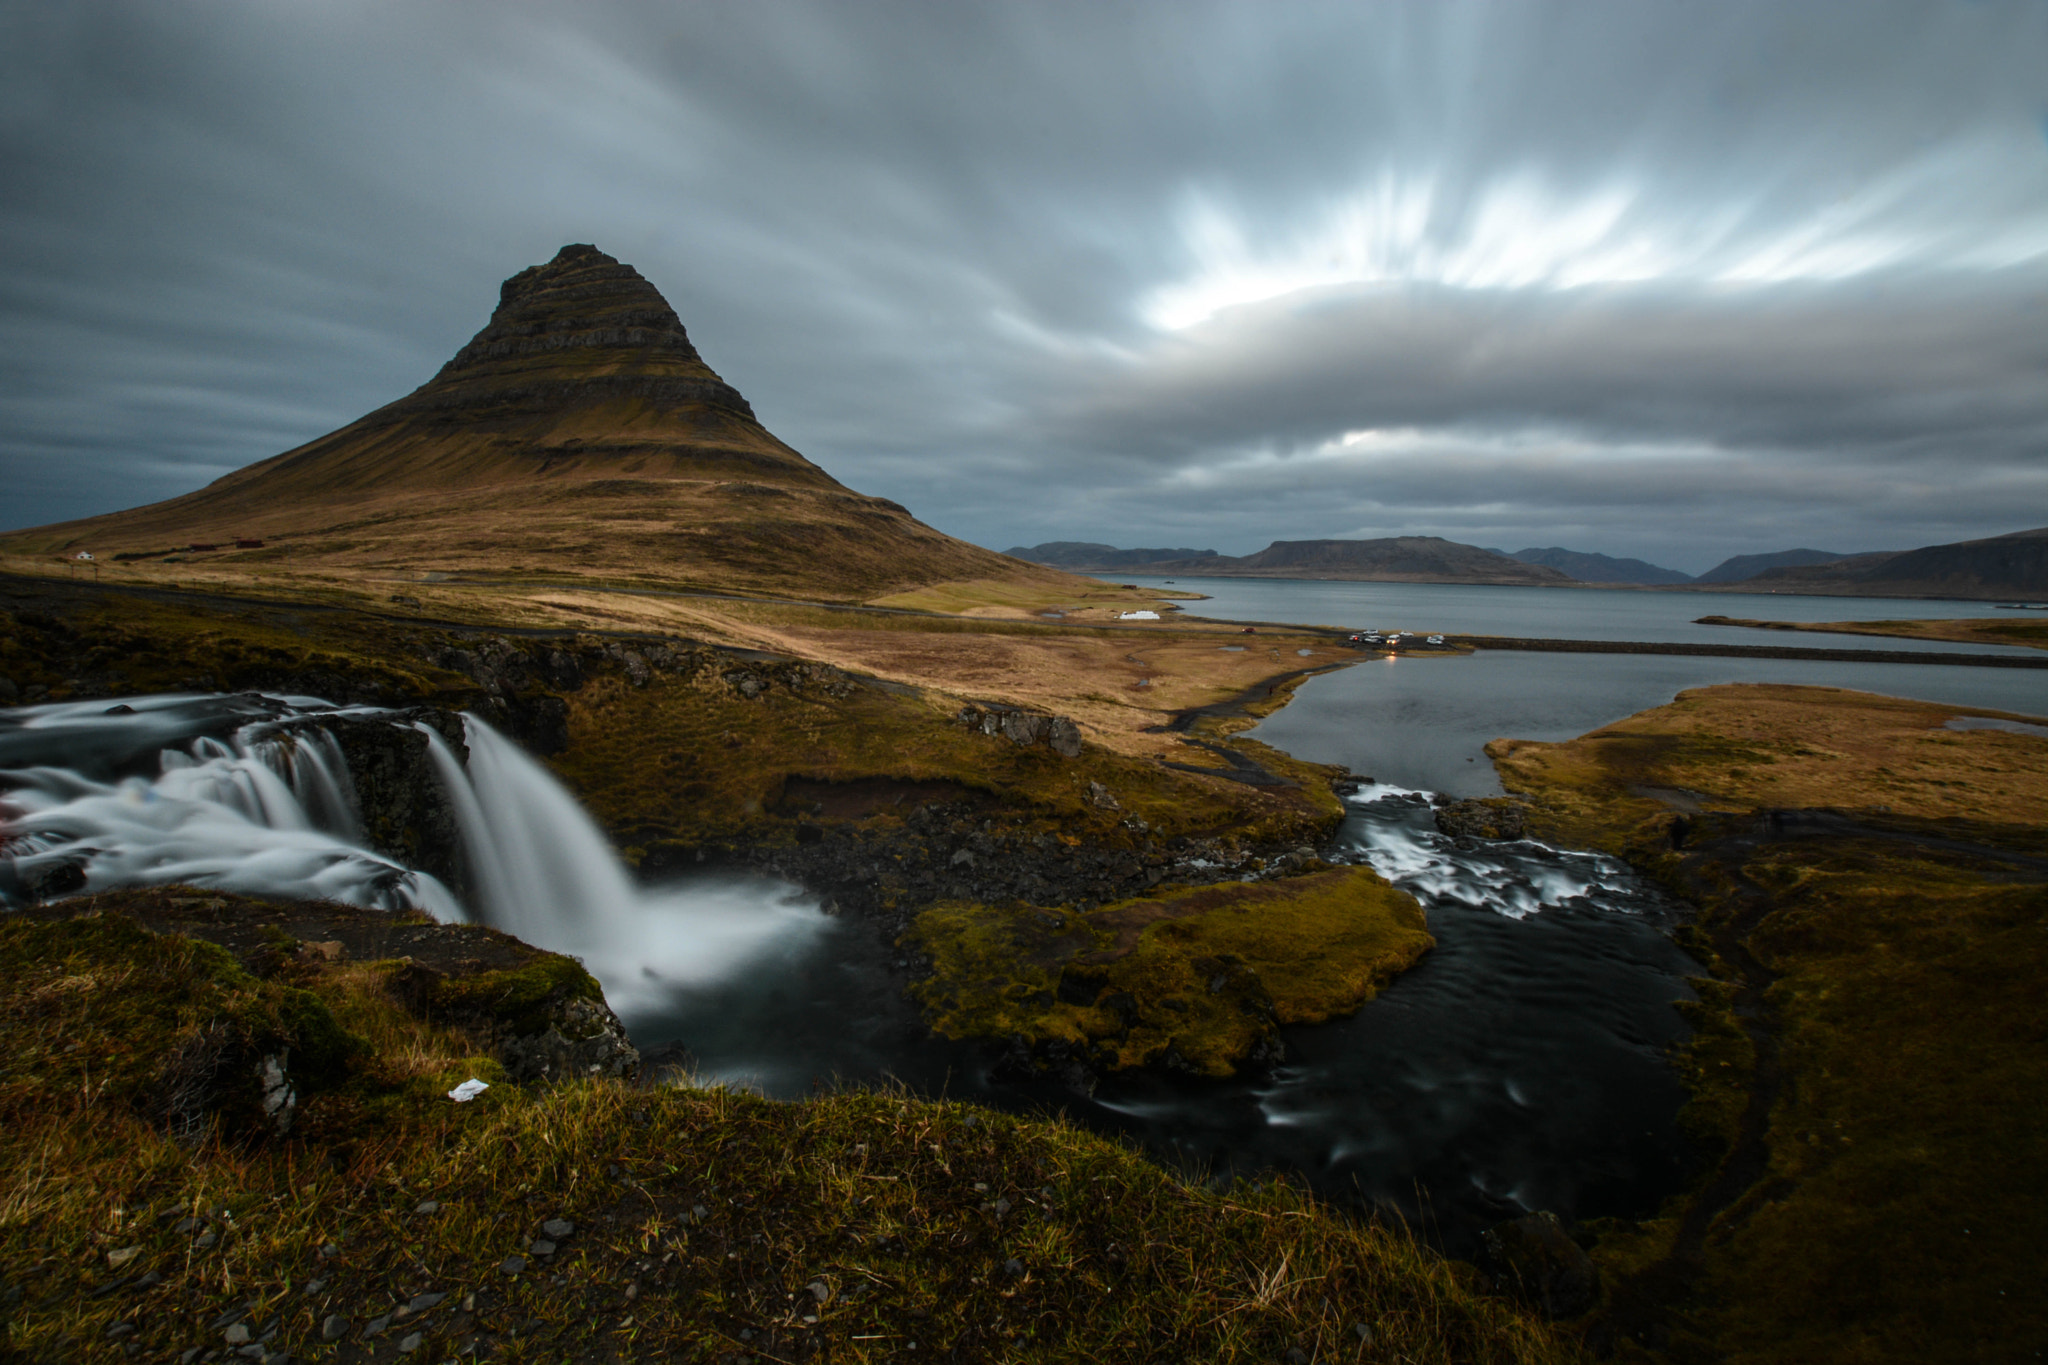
{"points": [[1597, 568], [1085, 555], [1743, 567], [1415, 559], [579, 434], [2013, 565], [1395, 559]]}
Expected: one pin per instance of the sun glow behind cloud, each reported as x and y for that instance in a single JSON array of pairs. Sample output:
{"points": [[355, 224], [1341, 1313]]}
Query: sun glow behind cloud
{"points": [[1519, 233], [1359, 454]]}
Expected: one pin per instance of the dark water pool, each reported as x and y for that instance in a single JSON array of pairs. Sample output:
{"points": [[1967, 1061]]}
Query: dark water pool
{"points": [[1519, 1066]]}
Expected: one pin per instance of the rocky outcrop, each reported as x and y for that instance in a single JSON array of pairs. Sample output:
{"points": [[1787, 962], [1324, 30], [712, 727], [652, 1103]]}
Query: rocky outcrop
{"points": [[1484, 818], [584, 1039], [1025, 729], [1533, 1259], [542, 1015], [405, 810]]}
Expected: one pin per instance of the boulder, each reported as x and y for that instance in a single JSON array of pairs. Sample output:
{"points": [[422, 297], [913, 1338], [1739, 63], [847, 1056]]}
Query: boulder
{"points": [[1025, 729], [1485, 818], [1533, 1259]]}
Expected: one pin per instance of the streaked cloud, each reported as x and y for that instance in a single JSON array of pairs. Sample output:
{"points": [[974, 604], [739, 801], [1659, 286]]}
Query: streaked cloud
{"points": [[1648, 278]]}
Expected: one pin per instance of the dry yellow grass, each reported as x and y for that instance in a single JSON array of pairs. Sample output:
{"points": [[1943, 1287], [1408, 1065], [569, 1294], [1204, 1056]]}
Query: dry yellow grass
{"points": [[2008, 630], [1742, 747]]}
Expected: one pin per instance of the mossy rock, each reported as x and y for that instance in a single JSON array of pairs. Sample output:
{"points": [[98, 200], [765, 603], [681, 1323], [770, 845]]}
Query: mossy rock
{"points": [[1196, 979], [101, 1010], [545, 1017]]}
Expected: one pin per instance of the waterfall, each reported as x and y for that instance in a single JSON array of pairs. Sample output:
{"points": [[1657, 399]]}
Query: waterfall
{"points": [[222, 815], [271, 812], [544, 872]]}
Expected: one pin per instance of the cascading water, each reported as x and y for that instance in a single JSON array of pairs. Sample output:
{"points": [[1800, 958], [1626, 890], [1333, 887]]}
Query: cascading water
{"points": [[259, 802], [260, 815], [545, 873]]}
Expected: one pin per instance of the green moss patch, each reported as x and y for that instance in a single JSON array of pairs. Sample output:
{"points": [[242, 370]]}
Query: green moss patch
{"points": [[516, 1001], [1197, 978]]}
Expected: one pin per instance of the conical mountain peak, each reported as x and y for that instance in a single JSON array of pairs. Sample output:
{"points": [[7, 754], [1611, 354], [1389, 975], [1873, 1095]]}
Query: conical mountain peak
{"points": [[583, 326], [579, 433]]}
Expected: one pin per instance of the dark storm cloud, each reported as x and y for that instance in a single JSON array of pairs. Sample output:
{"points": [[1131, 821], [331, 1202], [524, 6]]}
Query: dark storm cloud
{"points": [[1647, 278]]}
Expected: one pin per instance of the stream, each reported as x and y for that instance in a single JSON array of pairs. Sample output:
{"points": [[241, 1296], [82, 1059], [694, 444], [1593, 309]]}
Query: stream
{"points": [[1517, 1067]]}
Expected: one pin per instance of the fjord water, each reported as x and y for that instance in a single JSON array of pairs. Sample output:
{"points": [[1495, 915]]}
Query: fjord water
{"points": [[1571, 613], [1425, 721]]}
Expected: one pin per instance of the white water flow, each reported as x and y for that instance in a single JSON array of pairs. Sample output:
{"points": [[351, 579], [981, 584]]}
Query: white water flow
{"points": [[273, 813], [544, 872], [1514, 878], [261, 815]]}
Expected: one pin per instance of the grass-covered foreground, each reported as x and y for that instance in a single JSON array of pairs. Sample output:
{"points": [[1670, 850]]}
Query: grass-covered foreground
{"points": [[597, 1220]]}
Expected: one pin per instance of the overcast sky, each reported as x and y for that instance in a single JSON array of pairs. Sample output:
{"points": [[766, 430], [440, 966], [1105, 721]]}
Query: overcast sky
{"points": [[1671, 280]]}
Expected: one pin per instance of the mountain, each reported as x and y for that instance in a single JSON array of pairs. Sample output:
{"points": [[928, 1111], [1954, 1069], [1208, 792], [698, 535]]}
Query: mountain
{"points": [[1084, 555], [2013, 565], [1743, 567], [580, 435], [1597, 568], [1396, 559], [1419, 559]]}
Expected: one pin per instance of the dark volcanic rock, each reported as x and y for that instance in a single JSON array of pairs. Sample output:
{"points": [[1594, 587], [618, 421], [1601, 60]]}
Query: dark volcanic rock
{"points": [[1533, 1259], [585, 1040], [1485, 818], [1024, 728], [405, 811]]}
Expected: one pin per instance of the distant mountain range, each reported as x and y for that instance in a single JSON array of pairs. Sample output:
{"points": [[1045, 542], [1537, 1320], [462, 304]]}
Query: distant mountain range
{"points": [[2014, 565], [1396, 559], [1741, 567], [1082, 554], [1594, 568]]}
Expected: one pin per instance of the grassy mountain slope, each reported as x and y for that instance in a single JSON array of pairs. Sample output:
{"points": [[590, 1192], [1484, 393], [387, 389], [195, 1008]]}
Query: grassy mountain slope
{"points": [[578, 435]]}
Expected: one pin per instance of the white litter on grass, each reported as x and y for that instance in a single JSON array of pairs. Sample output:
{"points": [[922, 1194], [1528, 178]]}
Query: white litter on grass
{"points": [[1139, 616], [468, 1090]]}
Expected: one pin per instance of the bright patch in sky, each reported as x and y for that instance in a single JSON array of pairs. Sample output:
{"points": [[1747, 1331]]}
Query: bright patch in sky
{"points": [[1518, 234]]}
